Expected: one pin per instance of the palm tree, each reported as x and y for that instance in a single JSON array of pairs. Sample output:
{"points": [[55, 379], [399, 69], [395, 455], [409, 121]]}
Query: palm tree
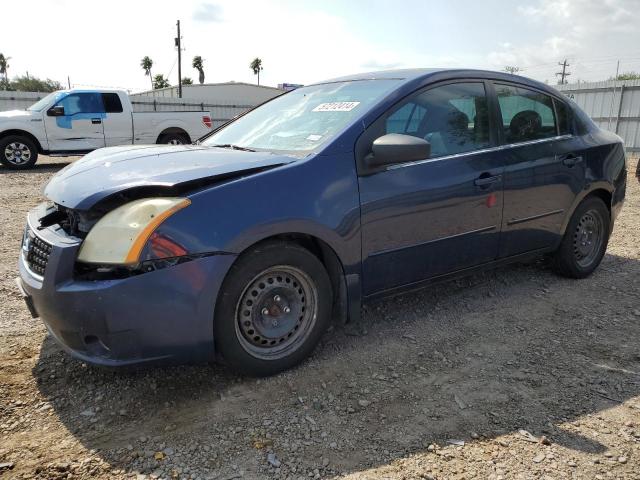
{"points": [[146, 63], [4, 67], [256, 66], [198, 65]]}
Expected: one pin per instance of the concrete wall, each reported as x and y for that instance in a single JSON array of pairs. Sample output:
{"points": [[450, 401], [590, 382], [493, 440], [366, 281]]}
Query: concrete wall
{"points": [[613, 105], [18, 100]]}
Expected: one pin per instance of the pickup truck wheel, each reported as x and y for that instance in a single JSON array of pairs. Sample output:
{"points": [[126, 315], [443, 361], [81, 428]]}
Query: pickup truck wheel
{"points": [[18, 152], [174, 139], [585, 240], [272, 309]]}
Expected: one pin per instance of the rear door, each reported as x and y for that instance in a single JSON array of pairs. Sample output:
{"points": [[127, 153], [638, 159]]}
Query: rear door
{"points": [[434, 216], [118, 124], [543, 172], [80, 128]]}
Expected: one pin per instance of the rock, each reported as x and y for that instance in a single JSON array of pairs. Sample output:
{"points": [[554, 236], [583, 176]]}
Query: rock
{"points": [[6, 466], [453, 441], [88, 412], [364, 403], [544, 440], [168, 451], [622, 459], [273, 460], [539, 458]]}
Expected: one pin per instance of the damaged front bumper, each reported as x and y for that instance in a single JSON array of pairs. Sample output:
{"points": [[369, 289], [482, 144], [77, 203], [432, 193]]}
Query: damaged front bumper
{"points": [[166, 314]]}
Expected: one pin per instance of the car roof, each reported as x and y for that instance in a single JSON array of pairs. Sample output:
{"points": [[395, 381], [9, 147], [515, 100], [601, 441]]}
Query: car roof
{"points": [[417, 74]]}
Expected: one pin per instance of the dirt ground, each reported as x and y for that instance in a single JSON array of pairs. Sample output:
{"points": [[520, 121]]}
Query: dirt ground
{"points": [[511, 374]]}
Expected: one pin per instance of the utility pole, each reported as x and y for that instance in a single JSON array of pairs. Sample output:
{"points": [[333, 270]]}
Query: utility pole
{"points": [[179, 45], [563, 74], [69, 82]]}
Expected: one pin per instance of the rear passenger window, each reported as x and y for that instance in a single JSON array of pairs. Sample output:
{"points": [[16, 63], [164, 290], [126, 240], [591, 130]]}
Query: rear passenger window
{"points": [[526, 114], [112, 103], [565, 119], [453, 118]]}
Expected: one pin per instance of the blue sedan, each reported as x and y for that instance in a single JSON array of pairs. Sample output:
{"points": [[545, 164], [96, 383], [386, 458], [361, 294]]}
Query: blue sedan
{"points": [[248, 243]]}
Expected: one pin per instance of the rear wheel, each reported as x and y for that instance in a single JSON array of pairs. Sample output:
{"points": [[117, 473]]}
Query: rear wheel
{"points": [[174, 139], [18, 152], [273, 307], [585, 241]]}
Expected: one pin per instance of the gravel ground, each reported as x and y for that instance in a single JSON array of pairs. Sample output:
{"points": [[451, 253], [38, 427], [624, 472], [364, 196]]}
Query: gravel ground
{"points": [[510, 374]]}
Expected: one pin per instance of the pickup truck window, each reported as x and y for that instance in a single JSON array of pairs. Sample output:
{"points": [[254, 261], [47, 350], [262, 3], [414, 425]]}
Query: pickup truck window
{"points": [[303, 119], [81, 103], [112, 103]]}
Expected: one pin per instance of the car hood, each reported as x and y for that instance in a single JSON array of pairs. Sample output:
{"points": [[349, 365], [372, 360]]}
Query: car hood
{"points": [[112, 170], [16, 114]]}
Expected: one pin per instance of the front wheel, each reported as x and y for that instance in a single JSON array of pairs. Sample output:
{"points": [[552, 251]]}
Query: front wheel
{"points": [[585, 240], [273, 307], [18, 152]]}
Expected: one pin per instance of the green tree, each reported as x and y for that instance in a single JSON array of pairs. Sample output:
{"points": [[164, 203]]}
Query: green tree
{"points": [[33, 84], [512, 69], [160, 82], [4, 68], [187, 81], [256, 66], [146, 63], [627, 76], [198, 64]]}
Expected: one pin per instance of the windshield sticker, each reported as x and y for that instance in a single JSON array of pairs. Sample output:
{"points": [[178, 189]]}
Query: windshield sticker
{"points": [[336, 107], [314, 138]]}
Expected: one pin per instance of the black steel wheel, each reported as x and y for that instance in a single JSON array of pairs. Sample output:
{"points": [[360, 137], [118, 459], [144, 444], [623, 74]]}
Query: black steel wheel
{"points": [[18, 152], [272, 309], [585, 240], [174, 139]]}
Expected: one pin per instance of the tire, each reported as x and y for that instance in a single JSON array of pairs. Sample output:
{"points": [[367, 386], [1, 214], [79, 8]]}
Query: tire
{"points": [[174, 139], [18, 152], [273, 307], [585, 240]]}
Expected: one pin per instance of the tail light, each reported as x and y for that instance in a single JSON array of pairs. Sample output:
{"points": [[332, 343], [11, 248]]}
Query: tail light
{"points": [[207, 121]]}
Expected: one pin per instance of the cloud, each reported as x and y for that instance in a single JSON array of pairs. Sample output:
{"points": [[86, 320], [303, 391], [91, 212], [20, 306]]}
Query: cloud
{"points": [[208, 12]]}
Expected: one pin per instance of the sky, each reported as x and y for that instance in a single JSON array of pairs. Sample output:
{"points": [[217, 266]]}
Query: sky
{"points": [[303, 41]]}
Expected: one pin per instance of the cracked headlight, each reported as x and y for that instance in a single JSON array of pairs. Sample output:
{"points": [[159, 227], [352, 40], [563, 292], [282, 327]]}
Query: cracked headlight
{"points": [[119, 237]]}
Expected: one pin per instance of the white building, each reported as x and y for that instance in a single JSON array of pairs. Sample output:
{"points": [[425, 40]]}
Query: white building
{"points": [[229, 93]]}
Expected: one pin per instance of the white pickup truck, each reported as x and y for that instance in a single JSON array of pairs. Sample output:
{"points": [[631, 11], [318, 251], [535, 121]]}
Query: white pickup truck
{"points": [[74, 122]]}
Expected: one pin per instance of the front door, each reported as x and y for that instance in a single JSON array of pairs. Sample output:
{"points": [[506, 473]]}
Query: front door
{"points": [[80, 128], [544, 170], [431, 217]]}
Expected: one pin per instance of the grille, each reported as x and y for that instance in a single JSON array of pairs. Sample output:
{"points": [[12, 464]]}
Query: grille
{"points": [[37, 252]]}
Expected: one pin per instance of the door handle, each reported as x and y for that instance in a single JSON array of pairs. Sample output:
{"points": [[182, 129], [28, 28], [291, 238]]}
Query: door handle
{"points": [[96, 121], [570, 159], [485, 180]]}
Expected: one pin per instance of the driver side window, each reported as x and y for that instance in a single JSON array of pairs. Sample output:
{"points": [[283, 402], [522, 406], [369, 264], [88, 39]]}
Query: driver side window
{"points": [[453, 118], [81, 103]]}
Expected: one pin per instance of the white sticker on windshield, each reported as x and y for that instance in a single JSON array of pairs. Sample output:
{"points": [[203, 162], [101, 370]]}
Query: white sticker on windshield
{"points": [[336, 107], [314, 137]]}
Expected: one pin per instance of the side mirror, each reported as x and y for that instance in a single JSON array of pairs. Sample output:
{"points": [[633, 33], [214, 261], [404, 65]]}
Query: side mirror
{"points": [[56, 111], [397, 148]]}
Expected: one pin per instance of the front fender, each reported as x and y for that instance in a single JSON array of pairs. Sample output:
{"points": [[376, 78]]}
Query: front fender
{"points": [[33, 127], [317, 197]]}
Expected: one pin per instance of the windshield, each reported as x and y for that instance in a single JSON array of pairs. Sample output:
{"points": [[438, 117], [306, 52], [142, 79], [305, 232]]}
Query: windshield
{"points": [[304, 119], [41, 104]]}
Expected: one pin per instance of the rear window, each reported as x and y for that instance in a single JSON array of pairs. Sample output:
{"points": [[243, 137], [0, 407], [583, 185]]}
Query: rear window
{"points": [[112, 103]]}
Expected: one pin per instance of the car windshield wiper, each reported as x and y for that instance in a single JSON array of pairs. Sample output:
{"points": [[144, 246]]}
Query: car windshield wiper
{"points": [[234, 147]]}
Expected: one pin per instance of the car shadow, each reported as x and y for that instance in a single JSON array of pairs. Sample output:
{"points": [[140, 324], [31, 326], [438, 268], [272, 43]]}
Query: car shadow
{"points": [[513, 349]]}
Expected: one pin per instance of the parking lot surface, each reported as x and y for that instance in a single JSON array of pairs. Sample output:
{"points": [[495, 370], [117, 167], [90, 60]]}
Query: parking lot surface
{"points": [[515, 373]]}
